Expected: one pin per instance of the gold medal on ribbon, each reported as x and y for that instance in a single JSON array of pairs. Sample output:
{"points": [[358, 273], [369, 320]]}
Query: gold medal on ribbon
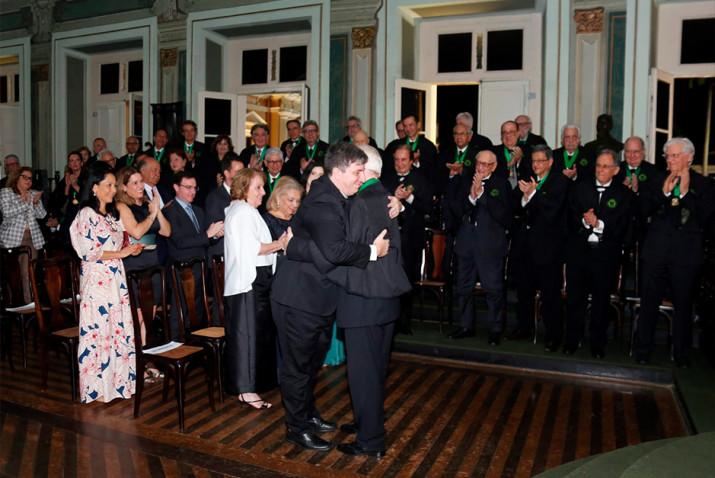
{"points": [[675, 202]]}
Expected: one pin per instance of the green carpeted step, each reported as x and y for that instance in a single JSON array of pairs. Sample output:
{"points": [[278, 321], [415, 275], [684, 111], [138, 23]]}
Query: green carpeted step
{"points": [[565, 469], [613, 463], [691, 457]]}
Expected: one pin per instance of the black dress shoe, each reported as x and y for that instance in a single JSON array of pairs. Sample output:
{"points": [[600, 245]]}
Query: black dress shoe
{"points": [[597, 352], [494, 338], [321, 426], [349, 428], [355, 449], [461, 333], [309, 441], [551, 346], [521, 334]]}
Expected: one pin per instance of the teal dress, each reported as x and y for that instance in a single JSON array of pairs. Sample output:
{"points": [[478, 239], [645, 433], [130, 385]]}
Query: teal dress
{"points": [[336, 353]]}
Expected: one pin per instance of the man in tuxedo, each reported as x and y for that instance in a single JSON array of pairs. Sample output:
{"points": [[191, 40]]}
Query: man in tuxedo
{"points": [[273, 164], [424, 151], [513, 161], [312, 150], [161, 138], [672, 251], [571, 159], [253, 156], [294, 138], [599, 217], [537, 255], [220, 198], [483, 203], [132, 145], [414, 191], [304, 301], [367, 309], [354, 125], [477, 141], [526, 136], [190, 236]]}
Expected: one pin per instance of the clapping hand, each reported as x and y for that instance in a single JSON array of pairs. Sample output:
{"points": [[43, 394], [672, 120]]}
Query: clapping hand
{"points": [[684, 180], [455, 168], [570, 172], [36, 197], [670, 183], [477, 187], [527, 187], [516, 155], [394, 207], [215, 229], [589, 217], [402, 192], [132, 250]]}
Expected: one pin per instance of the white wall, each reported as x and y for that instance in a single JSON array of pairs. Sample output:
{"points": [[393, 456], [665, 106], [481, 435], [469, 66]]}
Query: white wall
{"points": [[670, 18], [10, 116]]}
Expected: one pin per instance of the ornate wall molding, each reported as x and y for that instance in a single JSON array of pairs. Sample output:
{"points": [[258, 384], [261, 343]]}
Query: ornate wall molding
{"points": [[589, 21], [364, 37], [168, 57]]}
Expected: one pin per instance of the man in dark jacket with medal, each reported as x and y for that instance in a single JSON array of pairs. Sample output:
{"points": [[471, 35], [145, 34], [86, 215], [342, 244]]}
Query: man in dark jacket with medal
{"points": [[572, 159], [672, 251], [537, 247], [310, 150], [424, 152], [599, 216], [513, 161], [483, 203]]}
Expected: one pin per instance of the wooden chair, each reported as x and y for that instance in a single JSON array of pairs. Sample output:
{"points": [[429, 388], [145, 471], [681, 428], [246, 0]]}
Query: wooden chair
{"points": [[195, 327], [431, 278], [14, 309], [56, 311], [175, 362]]}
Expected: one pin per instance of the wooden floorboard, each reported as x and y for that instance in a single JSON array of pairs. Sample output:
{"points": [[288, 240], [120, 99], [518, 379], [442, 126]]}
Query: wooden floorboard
{"points": [[443, 418]]}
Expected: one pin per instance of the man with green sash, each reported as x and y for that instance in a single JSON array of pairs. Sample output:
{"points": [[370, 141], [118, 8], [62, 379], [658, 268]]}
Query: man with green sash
{"points": [[254, 154], [132, 146], [513, 161], [312, 150], [572, 159]]}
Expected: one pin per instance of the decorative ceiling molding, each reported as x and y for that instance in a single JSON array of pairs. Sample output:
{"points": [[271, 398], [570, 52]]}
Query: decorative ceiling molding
{"points": [[364, 37], [589, 21]]}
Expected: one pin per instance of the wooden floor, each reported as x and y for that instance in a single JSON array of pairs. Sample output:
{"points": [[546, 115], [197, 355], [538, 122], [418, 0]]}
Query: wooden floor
{"points": [[443, 419]]}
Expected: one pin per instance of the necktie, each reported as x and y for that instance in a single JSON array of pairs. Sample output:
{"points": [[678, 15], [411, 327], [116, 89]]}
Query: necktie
{"points": [[190, 212], [130, 160]]}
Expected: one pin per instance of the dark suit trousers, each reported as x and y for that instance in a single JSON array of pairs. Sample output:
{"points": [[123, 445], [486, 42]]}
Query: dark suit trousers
{"points": [[412, 260], [548, 279], [368, 355], [304, 340], [657, 275], [490, 271], [593, 271]]}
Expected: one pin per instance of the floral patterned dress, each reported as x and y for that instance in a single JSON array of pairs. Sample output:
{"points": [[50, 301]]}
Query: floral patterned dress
{"points": [[107, 360]]}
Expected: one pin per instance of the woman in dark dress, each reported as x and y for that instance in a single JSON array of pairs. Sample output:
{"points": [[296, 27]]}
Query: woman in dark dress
{"points": [[282, 206], [64, 202]]}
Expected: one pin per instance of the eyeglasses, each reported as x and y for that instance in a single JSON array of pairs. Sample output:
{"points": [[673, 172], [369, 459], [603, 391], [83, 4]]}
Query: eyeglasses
{"points": [[672, 156], [540, 160], [310, 130], [189, 188], [28, 178], [273, 161]]}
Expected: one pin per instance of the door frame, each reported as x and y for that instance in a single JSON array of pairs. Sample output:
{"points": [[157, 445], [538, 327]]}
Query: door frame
{"points": [[656, 76], [429, 128], [22, 49], [238, 121]]}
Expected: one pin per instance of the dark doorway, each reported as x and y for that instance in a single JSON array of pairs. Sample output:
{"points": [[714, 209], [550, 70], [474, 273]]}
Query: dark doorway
{"points": [[451, 100], [690, 110]]}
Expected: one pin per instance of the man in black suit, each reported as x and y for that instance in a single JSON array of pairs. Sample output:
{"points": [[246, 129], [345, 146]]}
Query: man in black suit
{"points": [[367, 309], [11, 163], [312, 150], [414, 190], [353, 127], [304, 301], [672, 251], [190, 234], [526, 136], [599, 218], [477, 141], [220, 198], [424, 151], [98, 145], [571, 159], [456, 159], [161, 138], [198, 161], [484, 204], [513, 161], [253, 156], [273, 165], [537, 255], [132, 146], [294, 138]]}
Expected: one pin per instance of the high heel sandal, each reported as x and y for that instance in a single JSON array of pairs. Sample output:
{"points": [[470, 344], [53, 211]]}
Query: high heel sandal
{"points": [[258, 404]]}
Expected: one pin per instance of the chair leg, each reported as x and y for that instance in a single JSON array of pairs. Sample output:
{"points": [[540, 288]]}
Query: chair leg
{"points": [[216, 349], [440, 305], [44, 364], [23, 341], [140, 387], [179, 385], [165, 385], [7, 338], [72, 355], [210, 379]]}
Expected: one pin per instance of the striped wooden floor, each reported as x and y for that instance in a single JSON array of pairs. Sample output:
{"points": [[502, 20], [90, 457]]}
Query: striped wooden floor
{"points": [[443, 419]]}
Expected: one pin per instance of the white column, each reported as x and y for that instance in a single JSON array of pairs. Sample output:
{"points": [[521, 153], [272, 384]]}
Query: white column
{"points": [[637, 66], [557, 45]]}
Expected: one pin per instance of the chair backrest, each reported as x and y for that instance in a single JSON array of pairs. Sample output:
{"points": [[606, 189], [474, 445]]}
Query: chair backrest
{"points": [[218, 268], [141, 298], [12, 293], [435, 246], [53, 282], [184, 282]]}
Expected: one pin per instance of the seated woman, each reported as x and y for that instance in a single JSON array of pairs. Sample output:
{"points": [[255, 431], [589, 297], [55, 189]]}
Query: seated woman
{"points": [[250, 259], [21, 207]]}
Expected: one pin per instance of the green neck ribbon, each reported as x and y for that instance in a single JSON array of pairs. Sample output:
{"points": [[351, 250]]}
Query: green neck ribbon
{"points": [[413, 144], [310, 151], [542, 181], [459, 157], [368, 183], [569, 162]]}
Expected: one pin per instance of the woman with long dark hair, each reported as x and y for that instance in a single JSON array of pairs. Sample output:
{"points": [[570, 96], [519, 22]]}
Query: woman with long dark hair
{"points": [[107, 367]]}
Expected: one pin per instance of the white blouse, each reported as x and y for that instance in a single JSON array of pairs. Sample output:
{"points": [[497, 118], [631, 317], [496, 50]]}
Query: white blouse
{"points": [[244, 232]]}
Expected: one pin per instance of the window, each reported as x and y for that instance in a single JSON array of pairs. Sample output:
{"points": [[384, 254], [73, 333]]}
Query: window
{"points": [[109, 78], [505, 50], [3, 89], [454, 52], [17, 88], [293, 63], [135, 77], [255, 67], [696, 45]]}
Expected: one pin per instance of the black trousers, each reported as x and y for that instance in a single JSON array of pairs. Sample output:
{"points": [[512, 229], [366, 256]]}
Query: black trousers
{"points": [[490, 272], [250, 353], [546, 278], [368, 356], [304, 340], [657, 275], [590, 271]]}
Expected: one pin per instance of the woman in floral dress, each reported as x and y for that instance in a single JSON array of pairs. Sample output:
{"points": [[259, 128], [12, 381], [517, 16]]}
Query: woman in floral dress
{"points": [[106, 338]]}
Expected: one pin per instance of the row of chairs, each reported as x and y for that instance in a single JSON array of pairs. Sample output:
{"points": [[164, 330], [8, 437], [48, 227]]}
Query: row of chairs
{"points": [[54, 314]]}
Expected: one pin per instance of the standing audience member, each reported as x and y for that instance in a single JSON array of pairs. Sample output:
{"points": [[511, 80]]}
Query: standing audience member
{"points": [[572, 159], [21, 207], [294, 139], [513, 161], [64, 203], [399, 130], [157, 150], [424, 152], [312, 150], [250, 259], [353, 127], [106, 353], [219, 199], [252, 156], [132, 145], [98, 145], [197, 161], [220, 147], [281, 207], [273, 164], [86, 154], [477, 141], [10, 163], [526, 136]]}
